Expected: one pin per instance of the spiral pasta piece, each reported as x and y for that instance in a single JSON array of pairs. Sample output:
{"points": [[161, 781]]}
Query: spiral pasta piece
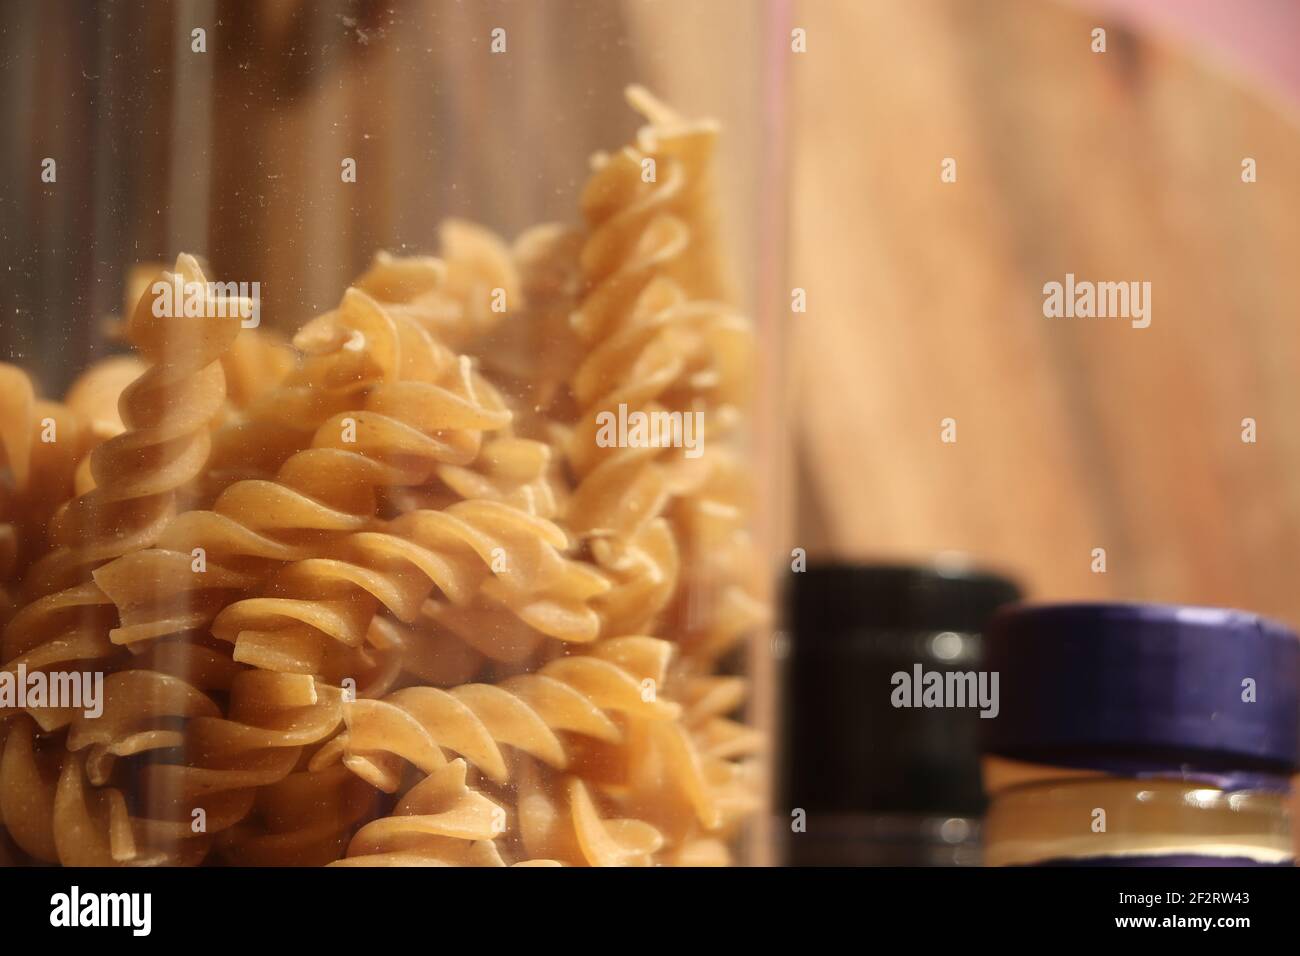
{"points": [[28, 779], [304, 819], [69, 627], [439, 822], [167, 412], [402, 431], [257, 363], [660, 342], [458, 297], [97, 392], [559, 819], [18, 407], [95, 397], [538, 365], [532, 714], [471, 548], [42, 446], [520, 472], [220, 769]]}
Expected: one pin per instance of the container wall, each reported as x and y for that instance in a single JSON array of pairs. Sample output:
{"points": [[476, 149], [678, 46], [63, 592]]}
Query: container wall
{"points": [[392, 432]]}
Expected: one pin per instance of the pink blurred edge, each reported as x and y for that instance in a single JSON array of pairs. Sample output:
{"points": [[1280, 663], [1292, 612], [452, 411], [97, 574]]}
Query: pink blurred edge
{"points": [[1255, 39]]}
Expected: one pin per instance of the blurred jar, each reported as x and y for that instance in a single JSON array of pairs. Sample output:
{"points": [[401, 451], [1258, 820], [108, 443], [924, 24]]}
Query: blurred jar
{"points": [[1141, 735], [345, 560], [869, 778]]}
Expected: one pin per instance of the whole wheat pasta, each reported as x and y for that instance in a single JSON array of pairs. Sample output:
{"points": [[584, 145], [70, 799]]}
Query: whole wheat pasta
{"points": [[44, 445], [377, 595], [167, 412]]}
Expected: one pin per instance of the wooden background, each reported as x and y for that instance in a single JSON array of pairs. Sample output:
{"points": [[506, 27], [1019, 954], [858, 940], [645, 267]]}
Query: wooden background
{"points": [[925, 303]]}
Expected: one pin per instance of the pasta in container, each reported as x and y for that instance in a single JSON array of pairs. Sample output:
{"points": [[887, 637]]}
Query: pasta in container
{"points": [[461, 569]]}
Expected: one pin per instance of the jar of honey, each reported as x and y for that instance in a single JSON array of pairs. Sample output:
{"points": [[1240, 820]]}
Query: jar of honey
{"points": [[1140, 734]]}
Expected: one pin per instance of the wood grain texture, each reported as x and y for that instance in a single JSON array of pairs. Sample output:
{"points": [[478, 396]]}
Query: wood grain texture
{"points": [[925, 302]]}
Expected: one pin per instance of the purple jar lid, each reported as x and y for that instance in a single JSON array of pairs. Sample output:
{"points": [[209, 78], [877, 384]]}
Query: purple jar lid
{"points": [[1097, 685]]}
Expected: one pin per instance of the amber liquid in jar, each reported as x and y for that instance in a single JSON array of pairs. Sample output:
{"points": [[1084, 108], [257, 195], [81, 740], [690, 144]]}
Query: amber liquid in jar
{"points": [[1077, 817]]}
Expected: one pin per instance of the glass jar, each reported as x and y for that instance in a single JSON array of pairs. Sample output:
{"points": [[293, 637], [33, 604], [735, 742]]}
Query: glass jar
{"points": [[1141, 735], [390, 439]]}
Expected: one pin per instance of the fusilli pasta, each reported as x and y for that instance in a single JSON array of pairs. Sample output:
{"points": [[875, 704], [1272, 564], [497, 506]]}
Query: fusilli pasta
{"points": [[381, 595]]}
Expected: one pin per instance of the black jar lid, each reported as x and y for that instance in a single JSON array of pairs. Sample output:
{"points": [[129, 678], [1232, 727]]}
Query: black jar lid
{"points": [[851, 627], [1103, 684], [948, 595]]}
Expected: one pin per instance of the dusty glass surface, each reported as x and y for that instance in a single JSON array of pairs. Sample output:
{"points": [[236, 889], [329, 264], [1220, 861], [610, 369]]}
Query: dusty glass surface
{"points": [[390, 431]]}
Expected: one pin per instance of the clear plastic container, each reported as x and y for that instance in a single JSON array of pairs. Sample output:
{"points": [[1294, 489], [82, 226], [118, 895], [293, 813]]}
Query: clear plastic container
{"points": [[390, 432]]}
